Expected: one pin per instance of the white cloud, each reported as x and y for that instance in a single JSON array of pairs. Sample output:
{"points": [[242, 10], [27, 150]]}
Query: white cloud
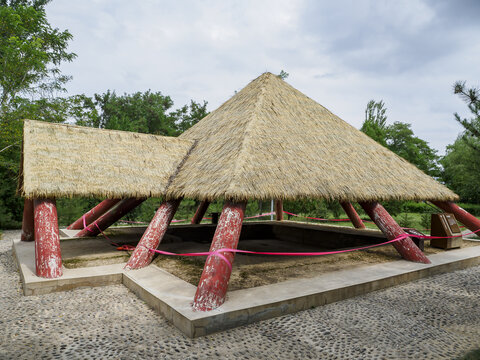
{"points": [[341, 53]]}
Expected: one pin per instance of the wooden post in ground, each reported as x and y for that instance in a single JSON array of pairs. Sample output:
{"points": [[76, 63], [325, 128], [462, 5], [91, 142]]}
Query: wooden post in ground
{"points": [[352, 215], [406, 247], [279, 210], [93, 214], [110, 217], [28, 229], [152, 237], [200, 213], [48, 259], [212, 288], [463, 216]]}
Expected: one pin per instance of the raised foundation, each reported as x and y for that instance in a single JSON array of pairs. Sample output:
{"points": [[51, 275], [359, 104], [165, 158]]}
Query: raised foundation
{"points": [[171, 296]]}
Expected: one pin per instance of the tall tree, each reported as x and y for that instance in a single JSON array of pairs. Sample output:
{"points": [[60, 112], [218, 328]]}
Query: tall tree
{"points": [[399, 138], [145, 112], [31, 51], [461, 166], [374, 124], [471, 96]]}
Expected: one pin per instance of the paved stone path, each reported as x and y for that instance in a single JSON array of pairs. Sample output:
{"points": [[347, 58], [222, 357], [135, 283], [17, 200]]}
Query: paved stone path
{"points": [[434, 318]]}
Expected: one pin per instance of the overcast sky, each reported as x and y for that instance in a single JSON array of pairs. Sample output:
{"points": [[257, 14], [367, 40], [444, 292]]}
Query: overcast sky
{"points": [[339, 53]]}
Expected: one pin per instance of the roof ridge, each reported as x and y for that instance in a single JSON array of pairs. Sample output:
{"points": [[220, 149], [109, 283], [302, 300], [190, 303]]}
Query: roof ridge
{"points": [[247, 136]]}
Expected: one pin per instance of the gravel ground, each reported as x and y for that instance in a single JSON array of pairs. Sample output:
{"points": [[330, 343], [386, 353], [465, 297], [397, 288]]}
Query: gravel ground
{"points": [[434, 318]]}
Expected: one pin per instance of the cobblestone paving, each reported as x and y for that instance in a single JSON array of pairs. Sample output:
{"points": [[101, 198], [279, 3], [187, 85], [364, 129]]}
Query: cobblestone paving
{"points": [[434, 318]]}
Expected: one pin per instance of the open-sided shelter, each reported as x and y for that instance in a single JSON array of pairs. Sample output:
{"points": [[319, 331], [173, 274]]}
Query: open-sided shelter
{"points": [[271, 141]]}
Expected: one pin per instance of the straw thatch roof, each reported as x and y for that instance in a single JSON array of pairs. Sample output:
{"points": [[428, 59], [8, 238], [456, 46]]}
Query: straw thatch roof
{"points": [[271, 141], [65, 161]]}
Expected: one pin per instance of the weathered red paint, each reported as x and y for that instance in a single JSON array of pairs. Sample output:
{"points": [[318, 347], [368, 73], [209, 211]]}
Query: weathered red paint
{"points": [[200, 213], [93, 214], [352, 215], [28, 229], [212, 288], [110, 217], [463, 216], [48, 259], [278, 210], [152, 237], [406, 247]]}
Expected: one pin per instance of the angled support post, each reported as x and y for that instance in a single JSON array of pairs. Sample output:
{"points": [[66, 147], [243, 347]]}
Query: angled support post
{"points": [[463, 216], [28, 229], [106, 220], [48, 259], [279, 210], [352, 215], [93, 214], [200, 213], [212, 288], [152, 237], [406, 247]]}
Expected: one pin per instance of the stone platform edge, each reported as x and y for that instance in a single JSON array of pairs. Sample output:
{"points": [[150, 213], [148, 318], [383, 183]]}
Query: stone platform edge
{"points": [[170, 296]]}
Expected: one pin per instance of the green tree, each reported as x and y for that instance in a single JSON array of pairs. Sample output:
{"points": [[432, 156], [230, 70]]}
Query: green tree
{"points": [[461, 166], [188, 115], [31, 51], [375, 121], [145, 112], [471, 96], [399, 138], [402, 141]]}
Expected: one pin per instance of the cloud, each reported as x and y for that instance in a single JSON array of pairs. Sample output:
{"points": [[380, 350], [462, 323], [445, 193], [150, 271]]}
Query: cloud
{"points": [[340, 53]]}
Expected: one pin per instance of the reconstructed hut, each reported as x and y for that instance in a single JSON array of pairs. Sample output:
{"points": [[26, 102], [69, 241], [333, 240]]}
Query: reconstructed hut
{"points": [[269, 141]]}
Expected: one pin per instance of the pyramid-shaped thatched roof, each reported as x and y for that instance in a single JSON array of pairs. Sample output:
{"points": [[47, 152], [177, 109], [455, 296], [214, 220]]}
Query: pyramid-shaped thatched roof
{"points": [[271, 141], [67, 161]]}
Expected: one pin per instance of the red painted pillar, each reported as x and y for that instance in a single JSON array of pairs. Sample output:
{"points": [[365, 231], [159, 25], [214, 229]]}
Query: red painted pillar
{"points": [[212, 288], [152, 237], [48, 259], [463, 216], [278, 210], [28, 228], [93, 214], [110, 217], [200, 213], [406, 247], [352, 215]]}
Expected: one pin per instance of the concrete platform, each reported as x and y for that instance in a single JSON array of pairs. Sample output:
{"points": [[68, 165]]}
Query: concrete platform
{"points": [[172, 297]]}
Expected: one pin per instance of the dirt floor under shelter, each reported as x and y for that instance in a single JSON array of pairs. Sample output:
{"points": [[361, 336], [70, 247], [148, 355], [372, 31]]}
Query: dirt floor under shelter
{"points": [[248, 270]]}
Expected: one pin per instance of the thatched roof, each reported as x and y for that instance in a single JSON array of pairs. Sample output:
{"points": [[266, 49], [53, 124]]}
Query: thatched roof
{"points": [[66, 160], [271, 141]]}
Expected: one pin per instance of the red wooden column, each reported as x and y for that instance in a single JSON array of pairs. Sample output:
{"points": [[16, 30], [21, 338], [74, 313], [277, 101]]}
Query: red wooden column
{"points": [[463, 216], [28, 228], [392, 230], [110, 217], [48, 259], [212, 288], [200, 213], [93, 214], [152, 237], [352, 215], [278, 210]]}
